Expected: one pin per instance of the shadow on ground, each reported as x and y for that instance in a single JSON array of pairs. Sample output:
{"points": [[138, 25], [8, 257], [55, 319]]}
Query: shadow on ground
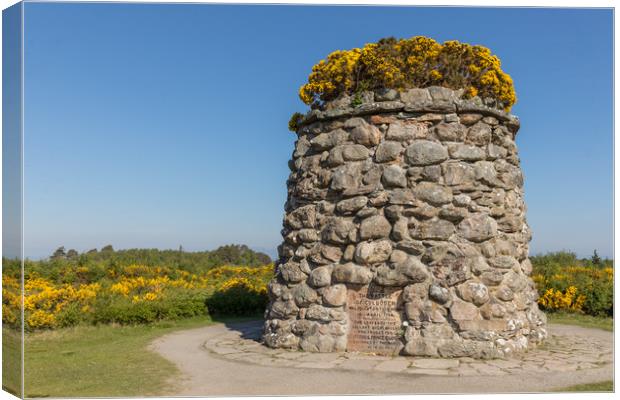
{"points": [[249, 328]]}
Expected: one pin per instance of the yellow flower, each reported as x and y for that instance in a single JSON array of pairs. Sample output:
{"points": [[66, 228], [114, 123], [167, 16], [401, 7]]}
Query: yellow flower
{"points": [[406, 63], [150, 296], [44, 300], [435, 75], [40, 319], [471, 92], [568, 300]]}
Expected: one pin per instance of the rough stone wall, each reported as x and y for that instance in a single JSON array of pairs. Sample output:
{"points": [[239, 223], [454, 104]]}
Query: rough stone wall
{"points": [[420, 191]]}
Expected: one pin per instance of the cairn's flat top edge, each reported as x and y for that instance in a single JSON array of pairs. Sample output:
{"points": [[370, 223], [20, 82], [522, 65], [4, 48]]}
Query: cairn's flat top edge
{"points": [[434, 99]]}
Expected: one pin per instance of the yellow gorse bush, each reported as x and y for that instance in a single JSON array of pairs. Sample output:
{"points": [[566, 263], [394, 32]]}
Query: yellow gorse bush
{"points": [[584, 289], [39, 319], [253, 286], [226, 272], [11, 300], [125, 286], [45, 301], [554, 299], [409, 63]]}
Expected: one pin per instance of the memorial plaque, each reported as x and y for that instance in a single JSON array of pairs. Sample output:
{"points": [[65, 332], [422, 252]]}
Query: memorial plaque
{"points": [[375, 324]]}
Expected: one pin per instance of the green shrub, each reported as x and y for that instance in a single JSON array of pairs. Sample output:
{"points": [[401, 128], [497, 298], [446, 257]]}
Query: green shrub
{"points": [[293, 123], [566, 283], [70, 315], [128, 294], [176, 304], [238, 296]]}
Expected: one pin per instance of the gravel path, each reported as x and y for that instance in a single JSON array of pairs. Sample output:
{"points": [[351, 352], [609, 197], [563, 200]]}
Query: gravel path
{"points": [[228, 360]]}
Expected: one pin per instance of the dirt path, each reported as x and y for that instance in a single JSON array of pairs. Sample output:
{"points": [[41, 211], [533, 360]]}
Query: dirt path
{"points": [[227, 360]]}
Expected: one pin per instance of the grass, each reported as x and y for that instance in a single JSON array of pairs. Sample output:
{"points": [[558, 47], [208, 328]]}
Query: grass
{"points": [[605, 386], [11, 361], [103, 361], [96, 361], [586, 321]]}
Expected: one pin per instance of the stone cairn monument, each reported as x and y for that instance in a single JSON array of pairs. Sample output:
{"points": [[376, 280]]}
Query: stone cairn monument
{"points": [[405, 231]]}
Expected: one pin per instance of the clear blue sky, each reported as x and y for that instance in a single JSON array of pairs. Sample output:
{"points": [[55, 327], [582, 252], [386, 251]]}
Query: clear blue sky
{"points": [[161, 125]]}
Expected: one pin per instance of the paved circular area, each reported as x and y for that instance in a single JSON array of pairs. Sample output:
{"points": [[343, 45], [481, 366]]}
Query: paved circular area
{"points": [[229, 360], [568, 348]]}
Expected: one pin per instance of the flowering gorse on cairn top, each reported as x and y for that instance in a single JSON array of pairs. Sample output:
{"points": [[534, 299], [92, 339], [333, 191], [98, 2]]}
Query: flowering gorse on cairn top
{"points": [[410, 63]]}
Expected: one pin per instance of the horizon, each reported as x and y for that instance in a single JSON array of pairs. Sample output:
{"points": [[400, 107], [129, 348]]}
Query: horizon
{"points": [[153, 125], [272, 253]]}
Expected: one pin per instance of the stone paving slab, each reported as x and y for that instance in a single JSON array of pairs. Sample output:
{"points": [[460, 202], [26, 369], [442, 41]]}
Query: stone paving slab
{"points": [[563, 351], [318, 364], [393, 365], [430, 371], [356, 365], [435, 363]]}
